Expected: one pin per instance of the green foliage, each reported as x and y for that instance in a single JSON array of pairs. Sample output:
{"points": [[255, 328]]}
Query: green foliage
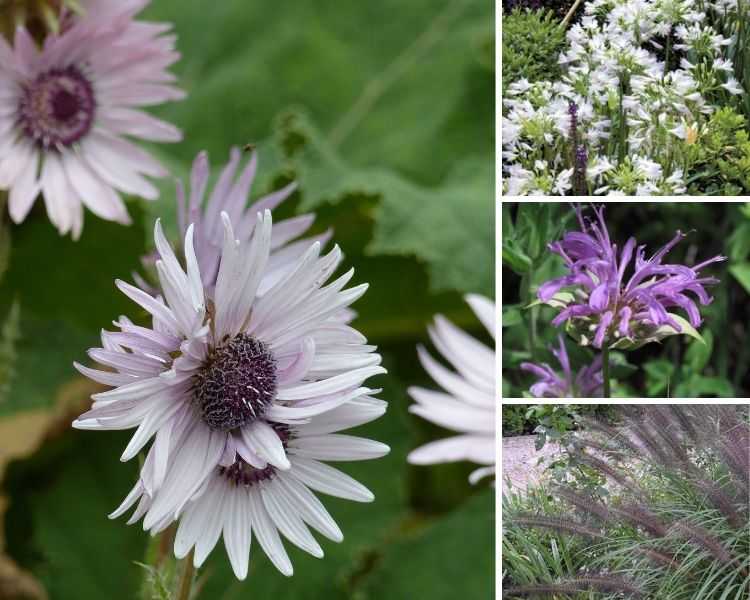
{"points": [[9, 333], [739, 240], [551, 421], [435, 564], [5, 245], [688, 381], [536, 555], [514, 420], [454, 236], [356, 137], [65, 292], [532, 41], [57, 525], [741, 272], [243, 64], [720, 159], [739, 249]]}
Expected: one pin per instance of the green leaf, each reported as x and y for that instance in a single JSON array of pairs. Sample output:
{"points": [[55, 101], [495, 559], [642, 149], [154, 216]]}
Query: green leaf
{"points": [[5, 245], [515, 259], [511, 315], [619, 367], [741, 273], [698, 355], [664, 331], [410, 96], [700, 386], [9, 334], [66, 294], [687, 329], [534, 221], [57, 526], [455, 553], [248, 66], [739, 243], [559, 300], [659, 373], [449, 228]]}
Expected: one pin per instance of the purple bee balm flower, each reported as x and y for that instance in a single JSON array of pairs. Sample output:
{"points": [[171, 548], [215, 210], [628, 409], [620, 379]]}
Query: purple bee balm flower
{"points": [[622, 310], [587, 383]]}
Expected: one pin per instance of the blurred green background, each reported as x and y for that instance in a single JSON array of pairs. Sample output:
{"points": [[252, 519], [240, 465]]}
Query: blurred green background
{"points": [[384, 114], [678, 367]]}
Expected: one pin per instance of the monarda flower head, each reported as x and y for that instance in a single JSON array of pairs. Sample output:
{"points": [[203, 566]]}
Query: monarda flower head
{"points": [[243, 392], [615, 305], [67, 109], [586, 384]]}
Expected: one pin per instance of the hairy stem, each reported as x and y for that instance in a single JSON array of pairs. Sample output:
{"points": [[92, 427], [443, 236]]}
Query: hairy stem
{"points": [[166, 539], [532, 314], [605, 370], [186, 578]]}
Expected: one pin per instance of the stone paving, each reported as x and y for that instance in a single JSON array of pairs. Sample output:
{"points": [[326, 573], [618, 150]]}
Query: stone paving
{"points": [[521, 461]]}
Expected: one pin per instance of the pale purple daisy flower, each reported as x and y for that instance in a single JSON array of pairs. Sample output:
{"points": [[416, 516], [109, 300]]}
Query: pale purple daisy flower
{"points": [[67, 109], [468, 403], [230, 194], [587, 383], [232, 384], [608, 307]]}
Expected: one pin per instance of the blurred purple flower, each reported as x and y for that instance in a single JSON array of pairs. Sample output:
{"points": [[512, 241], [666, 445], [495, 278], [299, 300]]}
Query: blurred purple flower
{"points": [[612, 306], [587, 384], [71, 108]]}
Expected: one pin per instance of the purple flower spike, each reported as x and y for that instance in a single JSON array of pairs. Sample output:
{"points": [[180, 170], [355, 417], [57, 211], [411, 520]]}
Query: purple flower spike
{"points": [[587, 383], [608, 307]]}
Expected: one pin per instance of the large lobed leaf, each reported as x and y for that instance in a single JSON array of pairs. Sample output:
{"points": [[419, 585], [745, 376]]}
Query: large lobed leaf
{"points": [[402, 111], [65, 294]]}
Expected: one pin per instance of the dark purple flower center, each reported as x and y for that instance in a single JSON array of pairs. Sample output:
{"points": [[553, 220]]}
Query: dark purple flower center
{"points": [[237, 384], [242, 473], [57, 108]]}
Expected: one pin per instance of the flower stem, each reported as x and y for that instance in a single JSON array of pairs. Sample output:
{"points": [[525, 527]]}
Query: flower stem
{"points": [[605, 369], [186, 579], [571, 12], [532, 314]]}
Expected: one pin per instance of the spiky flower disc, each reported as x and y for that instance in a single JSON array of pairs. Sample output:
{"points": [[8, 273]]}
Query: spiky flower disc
{"points": [[242, 392], [67, 109], [468, 403]]}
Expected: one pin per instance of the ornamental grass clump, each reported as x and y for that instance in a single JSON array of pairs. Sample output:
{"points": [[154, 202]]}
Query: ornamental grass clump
{"points": [[674, 525]]}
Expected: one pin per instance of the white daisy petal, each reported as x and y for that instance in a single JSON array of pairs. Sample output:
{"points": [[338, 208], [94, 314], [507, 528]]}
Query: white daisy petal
{"points": [[267, 534], [468, 403], [237, 531]]}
